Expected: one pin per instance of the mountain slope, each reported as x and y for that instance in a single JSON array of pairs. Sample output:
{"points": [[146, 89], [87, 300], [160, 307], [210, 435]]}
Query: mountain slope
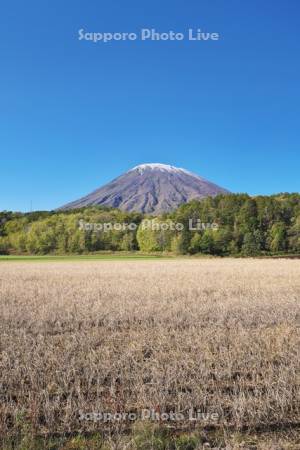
{"points": [[150, 188]]}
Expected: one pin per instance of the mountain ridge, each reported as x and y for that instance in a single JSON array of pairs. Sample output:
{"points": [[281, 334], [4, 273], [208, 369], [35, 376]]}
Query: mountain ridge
{"points": [[150, 188]]}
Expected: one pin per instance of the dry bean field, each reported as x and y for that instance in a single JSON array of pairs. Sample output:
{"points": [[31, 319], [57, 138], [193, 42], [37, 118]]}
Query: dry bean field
{"points": [[215, 336]]}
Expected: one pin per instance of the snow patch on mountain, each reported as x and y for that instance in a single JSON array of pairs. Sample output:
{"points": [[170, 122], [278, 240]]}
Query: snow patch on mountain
{"points": [[158, 166]]}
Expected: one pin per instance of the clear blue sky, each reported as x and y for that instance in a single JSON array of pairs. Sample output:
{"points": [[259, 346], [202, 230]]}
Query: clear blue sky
{"points": [[75, 114]]}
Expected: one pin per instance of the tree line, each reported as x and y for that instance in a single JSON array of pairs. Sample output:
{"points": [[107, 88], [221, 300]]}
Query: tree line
{"points": [[243, 225]]}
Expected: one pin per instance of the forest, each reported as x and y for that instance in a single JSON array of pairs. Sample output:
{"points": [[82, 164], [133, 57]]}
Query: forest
{"points": [[242, 226]]}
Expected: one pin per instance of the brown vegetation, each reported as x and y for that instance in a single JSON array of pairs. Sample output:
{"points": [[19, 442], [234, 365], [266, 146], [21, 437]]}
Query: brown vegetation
{"points": [[221, 336]]}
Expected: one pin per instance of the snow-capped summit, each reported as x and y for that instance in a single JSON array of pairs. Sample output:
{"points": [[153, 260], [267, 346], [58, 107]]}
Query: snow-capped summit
{"points": [[151, 188], [157, 166]]}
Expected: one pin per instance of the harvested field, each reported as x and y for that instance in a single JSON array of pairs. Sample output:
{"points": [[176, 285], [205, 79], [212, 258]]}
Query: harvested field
{"points": [[217, 336]]}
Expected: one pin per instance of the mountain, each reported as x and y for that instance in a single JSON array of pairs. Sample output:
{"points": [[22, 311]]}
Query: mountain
{"points": [[150, 188]]}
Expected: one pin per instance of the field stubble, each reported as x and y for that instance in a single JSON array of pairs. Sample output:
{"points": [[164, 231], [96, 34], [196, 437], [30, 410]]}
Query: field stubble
{"points": [[221, 336]]}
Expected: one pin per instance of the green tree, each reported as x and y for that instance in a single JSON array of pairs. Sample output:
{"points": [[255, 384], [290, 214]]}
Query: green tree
{"points": [[128, 242], [179, 244], [222, 237], [155, 235], [278, 237], [207, 242], [147, 238], [195, 245], [4, 245], [294, 236], [251, 244]]}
